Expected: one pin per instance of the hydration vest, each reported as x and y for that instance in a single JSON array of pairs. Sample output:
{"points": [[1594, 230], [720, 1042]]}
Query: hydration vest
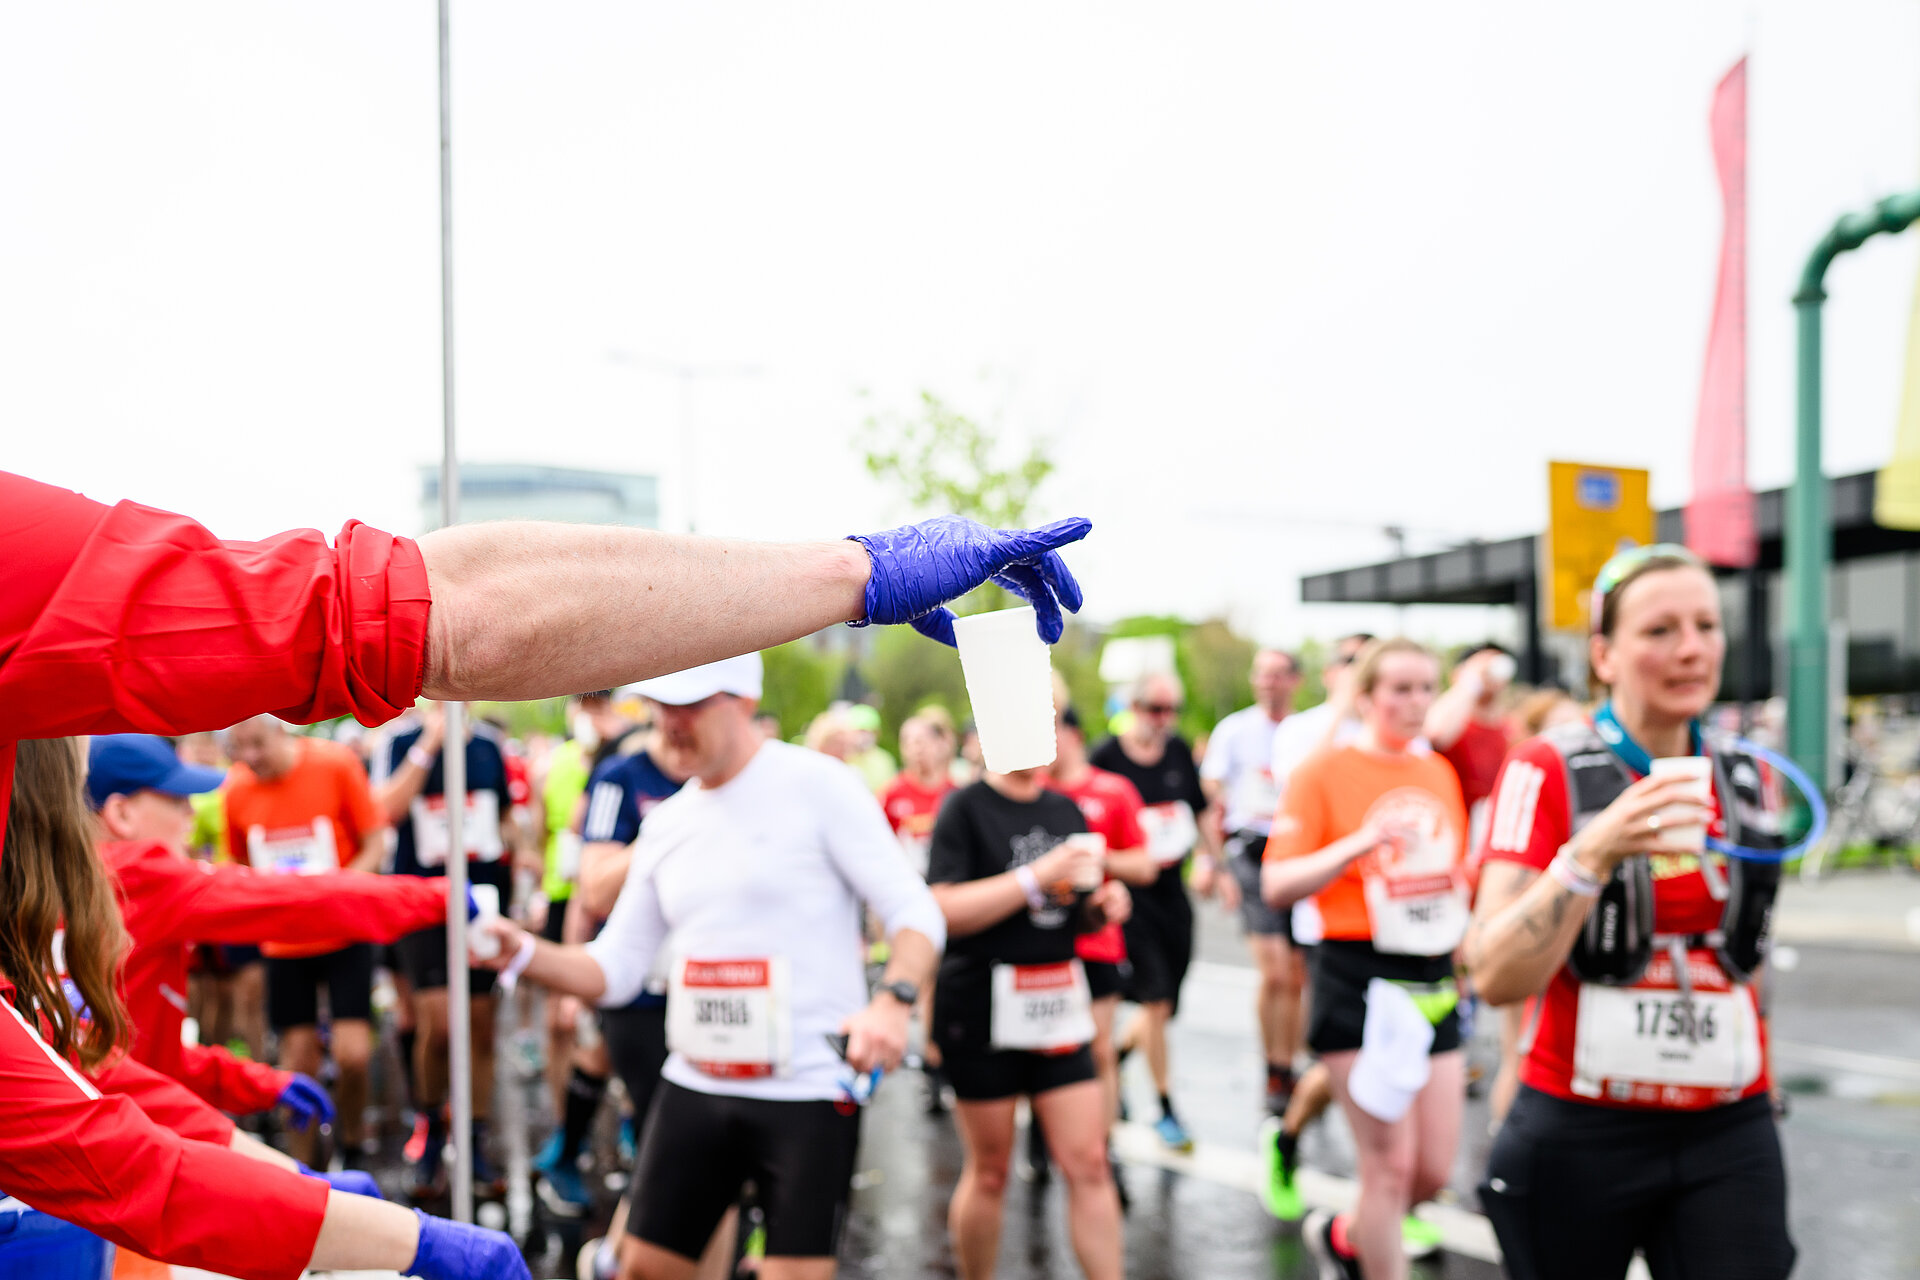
{"points": [[1616, 944]]}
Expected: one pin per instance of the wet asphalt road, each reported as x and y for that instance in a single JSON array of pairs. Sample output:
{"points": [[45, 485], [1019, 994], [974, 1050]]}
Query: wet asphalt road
{"points": [[1847, 1027]]}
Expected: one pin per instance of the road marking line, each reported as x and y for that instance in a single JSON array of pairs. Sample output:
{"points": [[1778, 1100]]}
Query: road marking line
{"points": [[1461, 1231], [1866, 1064]]}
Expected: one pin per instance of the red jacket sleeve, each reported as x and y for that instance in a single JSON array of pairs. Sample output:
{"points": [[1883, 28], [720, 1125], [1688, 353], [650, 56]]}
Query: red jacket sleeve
{"points": [[230, 1083], [167, 898], [101, 1163], [127, 618], [167, 1102]]}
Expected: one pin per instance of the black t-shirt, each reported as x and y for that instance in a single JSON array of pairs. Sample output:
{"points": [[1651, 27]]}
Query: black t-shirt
{"points": [[1173, 779], [981, 833], [486, 772]]}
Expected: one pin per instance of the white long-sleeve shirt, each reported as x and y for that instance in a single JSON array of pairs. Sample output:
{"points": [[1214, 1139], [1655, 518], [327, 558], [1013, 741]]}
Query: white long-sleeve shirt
{"points": [[774, 863]]}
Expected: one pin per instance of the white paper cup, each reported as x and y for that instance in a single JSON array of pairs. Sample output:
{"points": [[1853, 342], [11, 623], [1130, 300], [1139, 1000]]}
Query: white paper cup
{"points": [[1698, 771], [1093, 840], [480, 945], [1010, 683]]}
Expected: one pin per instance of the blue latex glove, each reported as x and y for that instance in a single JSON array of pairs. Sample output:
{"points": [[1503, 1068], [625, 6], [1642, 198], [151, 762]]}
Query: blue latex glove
{"points": [[351, 1181], [917, 568], [456, 1251], [307, 1101]]}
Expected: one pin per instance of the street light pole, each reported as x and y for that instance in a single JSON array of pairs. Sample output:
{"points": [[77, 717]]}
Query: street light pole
{"points": [[453, 755], [1809, 531]]}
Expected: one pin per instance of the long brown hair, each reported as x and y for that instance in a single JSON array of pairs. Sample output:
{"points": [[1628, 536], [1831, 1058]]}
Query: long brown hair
{"points": [[50, 875]]}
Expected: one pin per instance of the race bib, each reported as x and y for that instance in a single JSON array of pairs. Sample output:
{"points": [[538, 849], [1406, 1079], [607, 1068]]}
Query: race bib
{"points": [[1041, 1008], [1421, 915], [1257, 795], [1170, 830], [294, 851], [731, 1019], [1646, 1043], [479, 828]]}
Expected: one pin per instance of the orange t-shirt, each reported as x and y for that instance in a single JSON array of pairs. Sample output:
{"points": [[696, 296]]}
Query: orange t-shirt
{"points": [[1336, 791], [309, 820]]}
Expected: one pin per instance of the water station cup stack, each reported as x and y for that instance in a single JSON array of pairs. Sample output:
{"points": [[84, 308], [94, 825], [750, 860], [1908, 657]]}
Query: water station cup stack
{"points": [[1010, 683]]}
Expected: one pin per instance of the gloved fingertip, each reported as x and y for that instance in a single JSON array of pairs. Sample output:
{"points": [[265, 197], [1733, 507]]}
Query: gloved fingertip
{"points": [[1061, 532]]}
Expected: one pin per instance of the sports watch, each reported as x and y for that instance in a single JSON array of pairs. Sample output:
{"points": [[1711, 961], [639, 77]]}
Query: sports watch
{"points": [[905, 992]]}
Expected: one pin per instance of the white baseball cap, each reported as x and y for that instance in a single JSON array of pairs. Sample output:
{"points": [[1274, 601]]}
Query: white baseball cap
{"points": [[741, 676]]}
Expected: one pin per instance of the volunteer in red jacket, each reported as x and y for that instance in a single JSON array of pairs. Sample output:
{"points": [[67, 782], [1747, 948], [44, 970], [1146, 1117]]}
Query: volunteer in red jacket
{"points": [[1643, 1119], [138, 788], [127, 618], [1377, 829]]}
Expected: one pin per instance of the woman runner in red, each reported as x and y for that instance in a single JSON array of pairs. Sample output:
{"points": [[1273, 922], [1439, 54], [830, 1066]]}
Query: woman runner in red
{"points": [[1642, 1120]]}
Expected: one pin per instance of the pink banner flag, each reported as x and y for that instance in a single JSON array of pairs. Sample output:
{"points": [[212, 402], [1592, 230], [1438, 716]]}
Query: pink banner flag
{"points": [[1720, 516]]}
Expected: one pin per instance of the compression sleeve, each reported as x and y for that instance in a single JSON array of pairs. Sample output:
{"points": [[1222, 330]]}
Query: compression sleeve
{"points": [[863, 847]]}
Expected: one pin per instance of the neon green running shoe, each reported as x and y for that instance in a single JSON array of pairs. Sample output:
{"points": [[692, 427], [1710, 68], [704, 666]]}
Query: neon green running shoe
{"points": [[1418, 1237], [1279, 1192]]}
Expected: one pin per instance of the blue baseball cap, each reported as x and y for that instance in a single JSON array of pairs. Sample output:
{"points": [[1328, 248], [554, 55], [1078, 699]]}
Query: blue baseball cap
{"points": [[119, 764]]}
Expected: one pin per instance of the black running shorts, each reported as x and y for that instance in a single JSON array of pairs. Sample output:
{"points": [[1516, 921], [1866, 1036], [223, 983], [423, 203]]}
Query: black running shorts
{"points": [[293, 987], [1573, 1189], [1159, 943], [699, 1149], [993, 1074], [1338, 1013], [637, 1046]]}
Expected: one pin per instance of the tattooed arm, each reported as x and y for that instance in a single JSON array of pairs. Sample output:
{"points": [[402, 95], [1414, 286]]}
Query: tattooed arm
{"points": [[1524, 924]]}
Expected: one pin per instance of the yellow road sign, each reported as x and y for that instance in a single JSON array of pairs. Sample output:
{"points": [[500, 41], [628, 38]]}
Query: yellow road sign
{"points": [[1592, 512]]}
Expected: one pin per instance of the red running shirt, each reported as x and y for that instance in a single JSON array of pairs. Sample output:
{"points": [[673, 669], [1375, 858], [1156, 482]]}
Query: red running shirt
{"points": [[1530, 821], [1111, 806], [130, 619], [911, 809]]}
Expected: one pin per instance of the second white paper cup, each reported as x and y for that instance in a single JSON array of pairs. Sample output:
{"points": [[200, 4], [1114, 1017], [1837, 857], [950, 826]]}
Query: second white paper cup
{"points": [[1010, 683], [1697, 770], [483, 946]]}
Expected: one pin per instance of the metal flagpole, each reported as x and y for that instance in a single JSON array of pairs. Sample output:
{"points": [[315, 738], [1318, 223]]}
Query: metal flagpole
{"points": [[454, 753]]}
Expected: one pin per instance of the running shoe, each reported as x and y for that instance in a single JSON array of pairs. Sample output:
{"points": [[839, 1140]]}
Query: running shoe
{"points": [[488, 1182], [549, 1157], [564, 1192], [416, 1145], [1317, 1231], [1173, 1134], [1280, 1191], [1418, 1237]]}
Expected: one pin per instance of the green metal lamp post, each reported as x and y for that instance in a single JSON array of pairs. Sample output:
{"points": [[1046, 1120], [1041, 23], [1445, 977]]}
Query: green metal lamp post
{"points": [[1809, 550]]}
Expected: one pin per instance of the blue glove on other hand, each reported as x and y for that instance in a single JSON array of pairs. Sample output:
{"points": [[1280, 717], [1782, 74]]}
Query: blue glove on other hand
{"points": [[456, 1251], [307, 1101], [917, 568], [352, 1181]]}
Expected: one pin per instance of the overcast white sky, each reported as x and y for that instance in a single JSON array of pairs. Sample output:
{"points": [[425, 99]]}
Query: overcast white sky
{"points": [[1267, 276]]}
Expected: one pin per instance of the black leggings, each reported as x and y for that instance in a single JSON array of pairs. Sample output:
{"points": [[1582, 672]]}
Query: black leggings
{"points": [[1572, 1190]]}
